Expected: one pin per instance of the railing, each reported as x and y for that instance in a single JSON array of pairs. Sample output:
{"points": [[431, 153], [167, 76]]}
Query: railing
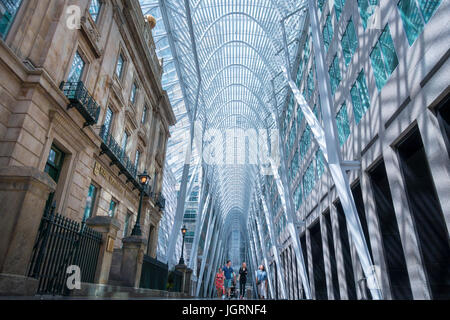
{"points": [[80, 98], [117, 155], [161, 201], [154, 274], [175, 281], [62, 242]]}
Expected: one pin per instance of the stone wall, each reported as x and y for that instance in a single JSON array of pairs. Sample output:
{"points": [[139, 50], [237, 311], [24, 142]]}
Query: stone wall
{"points": [[36, 56]]}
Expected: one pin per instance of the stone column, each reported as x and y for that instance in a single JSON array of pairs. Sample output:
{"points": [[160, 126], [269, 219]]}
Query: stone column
{"points": [[183, 269], [132, 258], [108, 227], [23, 194], [187, 281]]}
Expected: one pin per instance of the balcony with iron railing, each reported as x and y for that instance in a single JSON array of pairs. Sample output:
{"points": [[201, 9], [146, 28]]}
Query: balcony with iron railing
{"points": [[118, 157], [80, 99]]}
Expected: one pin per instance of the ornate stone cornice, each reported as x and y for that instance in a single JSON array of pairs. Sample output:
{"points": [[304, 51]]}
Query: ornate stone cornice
{"points": [[92, 34]]}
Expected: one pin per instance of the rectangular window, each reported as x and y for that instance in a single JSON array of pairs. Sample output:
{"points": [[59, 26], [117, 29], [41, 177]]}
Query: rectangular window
{"points": [[54, 163], [133, 93], [335, 74], [327, 32], [112, 208], [349, 42], [338, 7], [194, 196], [342, 124], [126, 226], [366, 10], [8, 11], [90, 202], [94, 9], [76, 71], [119, 66], [144, 114], [137, 158], [124, 142], [108, 121], [360, 97], [53, 167], [384, 58]]}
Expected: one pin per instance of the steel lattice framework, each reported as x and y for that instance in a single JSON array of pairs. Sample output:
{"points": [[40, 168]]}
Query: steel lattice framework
{"points": [[239, 51], [228, 65]]}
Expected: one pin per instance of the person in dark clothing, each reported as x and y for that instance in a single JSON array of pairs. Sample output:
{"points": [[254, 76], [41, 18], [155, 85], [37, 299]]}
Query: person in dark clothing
{"points": [[242, 279]]}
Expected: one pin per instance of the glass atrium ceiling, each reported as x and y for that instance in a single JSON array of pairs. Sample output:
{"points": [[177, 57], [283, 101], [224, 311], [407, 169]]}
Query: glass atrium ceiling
{"points": [[223, 67]]}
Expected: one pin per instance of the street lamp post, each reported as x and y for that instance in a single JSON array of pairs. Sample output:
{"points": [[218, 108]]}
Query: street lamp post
{"points": [[183, 232], [144, 178]]}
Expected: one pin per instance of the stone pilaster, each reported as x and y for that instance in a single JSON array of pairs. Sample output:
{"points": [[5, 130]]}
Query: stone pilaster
{"points": [[187, 281], [132, 259], [108, 227], [187, 275], [23, 194]]}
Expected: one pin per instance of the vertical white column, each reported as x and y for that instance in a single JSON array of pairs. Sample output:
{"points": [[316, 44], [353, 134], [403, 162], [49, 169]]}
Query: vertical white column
{"points": [[331, 149], [212, 258], [263, 249], [269, 221], [210, 227]]}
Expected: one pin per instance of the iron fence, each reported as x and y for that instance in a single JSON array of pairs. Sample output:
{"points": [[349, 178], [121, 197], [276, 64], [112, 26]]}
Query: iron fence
{"points": [[154, 274], [60, 243], [176, 277]]}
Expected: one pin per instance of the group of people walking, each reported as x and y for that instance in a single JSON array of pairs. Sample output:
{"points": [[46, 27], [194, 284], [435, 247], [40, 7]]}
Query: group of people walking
{"points": [[226, 281]]}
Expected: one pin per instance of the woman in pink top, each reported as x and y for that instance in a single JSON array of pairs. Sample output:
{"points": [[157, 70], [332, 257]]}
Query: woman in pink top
{"points": [[219, 282]]}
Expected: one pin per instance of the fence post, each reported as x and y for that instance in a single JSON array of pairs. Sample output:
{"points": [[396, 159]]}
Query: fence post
{"points": [[108, 227], [132, 259], [23, 193], [186, 280]]}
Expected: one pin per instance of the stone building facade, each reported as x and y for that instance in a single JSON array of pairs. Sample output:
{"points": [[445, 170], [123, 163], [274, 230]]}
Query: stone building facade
{"points": [[81, 102]]}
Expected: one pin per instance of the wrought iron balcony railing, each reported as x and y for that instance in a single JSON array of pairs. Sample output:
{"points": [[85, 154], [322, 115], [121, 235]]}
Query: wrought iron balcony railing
{"points": [[161, 201], [118, 157], [80, 99]]}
